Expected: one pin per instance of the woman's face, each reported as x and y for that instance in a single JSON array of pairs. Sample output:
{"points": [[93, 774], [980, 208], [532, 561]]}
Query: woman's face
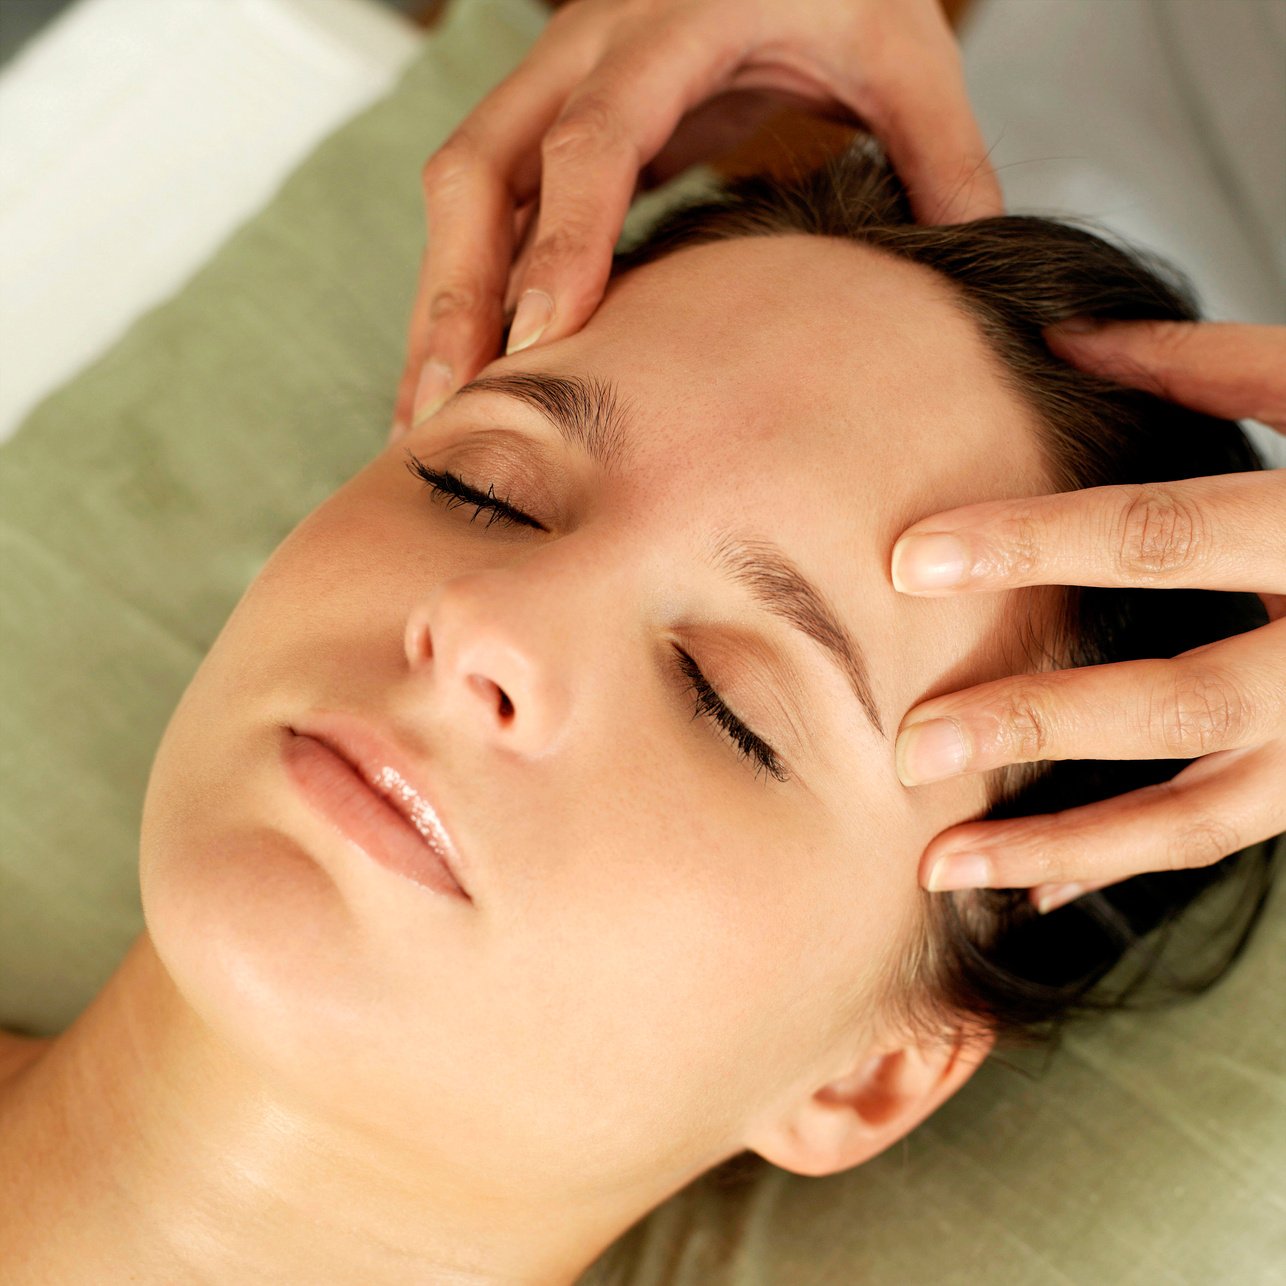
{"points": [[664, 941]]}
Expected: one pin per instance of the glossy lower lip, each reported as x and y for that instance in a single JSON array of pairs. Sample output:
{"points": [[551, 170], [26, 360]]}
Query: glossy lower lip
{"points": [[334, 790]]}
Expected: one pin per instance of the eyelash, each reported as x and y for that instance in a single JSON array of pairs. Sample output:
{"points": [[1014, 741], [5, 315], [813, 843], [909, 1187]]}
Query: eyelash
{"points": [[709, 702], [447, 489], [451, 491]]}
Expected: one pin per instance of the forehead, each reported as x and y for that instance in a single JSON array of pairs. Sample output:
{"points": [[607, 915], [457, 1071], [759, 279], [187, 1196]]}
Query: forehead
{"points": [[814, 360]]}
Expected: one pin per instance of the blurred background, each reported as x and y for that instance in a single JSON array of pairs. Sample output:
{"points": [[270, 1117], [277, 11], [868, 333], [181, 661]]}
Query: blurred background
{"points": [[21, 19]]}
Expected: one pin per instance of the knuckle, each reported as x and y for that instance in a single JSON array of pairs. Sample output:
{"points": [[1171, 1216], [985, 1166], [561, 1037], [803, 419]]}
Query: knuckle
{"points": [[1162, 534], [447, 168], [1028, 856], [1043, 854], [1022, 725], [1019, 546], [1202, 841], [588, 126], [566, 242], [1051, 864], [1171, 341], [1201, 712], [458, 299]]}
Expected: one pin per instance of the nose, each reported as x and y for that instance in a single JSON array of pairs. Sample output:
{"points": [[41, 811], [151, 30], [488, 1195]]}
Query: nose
{"points": [[489, 664]]}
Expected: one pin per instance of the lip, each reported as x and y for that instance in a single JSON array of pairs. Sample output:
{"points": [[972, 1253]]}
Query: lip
{"points": [[363, 785]]}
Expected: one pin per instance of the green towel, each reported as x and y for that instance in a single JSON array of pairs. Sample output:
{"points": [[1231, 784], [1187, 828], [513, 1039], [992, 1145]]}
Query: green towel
{"points": [[137, 503]]}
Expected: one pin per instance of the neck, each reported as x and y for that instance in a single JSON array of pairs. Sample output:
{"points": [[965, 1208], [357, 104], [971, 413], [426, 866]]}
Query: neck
{"points": [[137, 1145]]}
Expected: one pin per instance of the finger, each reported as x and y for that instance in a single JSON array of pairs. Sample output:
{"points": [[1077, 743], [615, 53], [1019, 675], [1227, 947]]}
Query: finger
{"points": [[1223, 532], [523, 239], [1049, 897], [919, 110], [591, 157], [1222, 368], [457, 318], [1221, 696], [413, 364], [1212, 808], [472, 186]]}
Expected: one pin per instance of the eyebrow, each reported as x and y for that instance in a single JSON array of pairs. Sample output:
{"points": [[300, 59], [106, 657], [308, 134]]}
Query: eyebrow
{"points": [[775, 582], [588, 414]]}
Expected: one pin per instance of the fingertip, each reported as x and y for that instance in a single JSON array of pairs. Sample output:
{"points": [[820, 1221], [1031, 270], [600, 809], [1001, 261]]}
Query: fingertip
{"points": [[930, 750], [549, 315], [1077, 324], [1274, 605], [535, 311], [979, 198], [1082, 333], [432, 389], [958, 871], [949, 181], [1049, 897], [1072, 336], [929, 562]]}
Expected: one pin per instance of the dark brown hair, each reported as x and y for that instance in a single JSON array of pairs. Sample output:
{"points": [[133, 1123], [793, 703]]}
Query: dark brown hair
{"points": [[986, 959]]}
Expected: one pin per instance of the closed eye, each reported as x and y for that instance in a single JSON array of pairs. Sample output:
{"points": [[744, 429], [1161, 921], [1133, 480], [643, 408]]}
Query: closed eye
{"points": [[710, 704], [450, 490]]}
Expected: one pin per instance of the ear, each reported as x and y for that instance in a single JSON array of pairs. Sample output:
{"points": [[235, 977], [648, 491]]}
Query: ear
{"points": [[880, 1100]]}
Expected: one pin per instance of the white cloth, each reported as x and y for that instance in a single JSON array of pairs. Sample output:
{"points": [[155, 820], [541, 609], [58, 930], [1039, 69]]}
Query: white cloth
{"points": [[136, 135]]}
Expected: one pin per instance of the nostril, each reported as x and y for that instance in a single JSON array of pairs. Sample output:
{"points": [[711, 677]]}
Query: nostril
{"points": [[489, 689]]}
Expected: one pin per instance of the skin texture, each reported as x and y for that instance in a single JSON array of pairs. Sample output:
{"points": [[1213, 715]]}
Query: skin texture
{"points": [[309, 1064]]}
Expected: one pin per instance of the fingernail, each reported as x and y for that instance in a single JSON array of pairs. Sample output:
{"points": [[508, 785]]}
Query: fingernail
{"points": [[535, 309], [930, 751], [432, 390], [960, 871], [1057, 895], [936, 561], [397, 431]]}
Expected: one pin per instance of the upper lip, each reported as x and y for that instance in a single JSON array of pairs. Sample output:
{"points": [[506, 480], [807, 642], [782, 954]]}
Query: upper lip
{"points": [[390, 773]]}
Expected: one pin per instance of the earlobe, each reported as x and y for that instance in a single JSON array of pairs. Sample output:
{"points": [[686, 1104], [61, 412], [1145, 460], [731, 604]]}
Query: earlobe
{"points": [[856, 1116]]}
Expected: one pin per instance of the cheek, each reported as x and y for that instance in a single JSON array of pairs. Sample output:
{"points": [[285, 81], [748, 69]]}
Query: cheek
{"points": [[256, 933], [328, 602], [696, 963]]}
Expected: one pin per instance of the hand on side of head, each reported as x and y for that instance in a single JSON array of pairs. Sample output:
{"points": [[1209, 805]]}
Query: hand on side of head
{"points": [[1222, 704], [611, 87]]}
